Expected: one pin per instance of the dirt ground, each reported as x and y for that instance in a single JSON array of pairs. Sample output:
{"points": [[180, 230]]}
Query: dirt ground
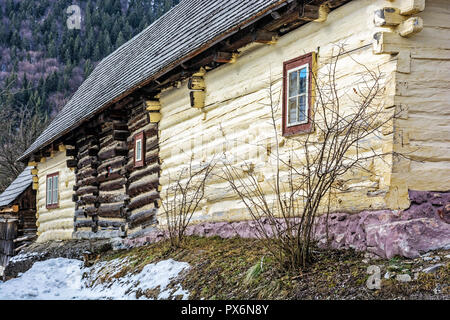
{"points": [[242, 269]]}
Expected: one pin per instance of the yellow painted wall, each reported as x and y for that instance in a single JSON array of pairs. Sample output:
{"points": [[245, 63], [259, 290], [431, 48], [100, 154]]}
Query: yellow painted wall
{"points": [[55, 224], [235, 117], [423, 92]]}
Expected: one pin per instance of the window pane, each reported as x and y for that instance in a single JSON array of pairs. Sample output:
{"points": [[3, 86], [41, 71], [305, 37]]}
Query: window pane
{"points": [[49, 190], [293, 83], [292, 110], [138, 150], [303, 79], [302, 108], [55, 190]]}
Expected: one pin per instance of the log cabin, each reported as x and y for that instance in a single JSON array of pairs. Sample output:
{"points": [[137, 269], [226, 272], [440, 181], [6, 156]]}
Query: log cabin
{"points": [[17, 216], [201, 73]]}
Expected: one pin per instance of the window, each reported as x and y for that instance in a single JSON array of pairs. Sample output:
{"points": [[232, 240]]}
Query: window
{"points": [[52, 190], [139, 147], [297, 86]]}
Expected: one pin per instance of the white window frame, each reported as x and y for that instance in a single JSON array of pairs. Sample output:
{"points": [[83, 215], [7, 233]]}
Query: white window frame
{"points": [[49, 188], [138, 155], [52, 190], [306, 65]]}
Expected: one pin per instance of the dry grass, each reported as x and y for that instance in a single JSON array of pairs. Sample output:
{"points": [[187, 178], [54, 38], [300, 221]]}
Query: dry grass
{"points": [[241, 269]]}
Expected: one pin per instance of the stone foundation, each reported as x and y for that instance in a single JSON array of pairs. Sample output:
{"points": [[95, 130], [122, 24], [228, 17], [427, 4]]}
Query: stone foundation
{"points": [[424, 226]]}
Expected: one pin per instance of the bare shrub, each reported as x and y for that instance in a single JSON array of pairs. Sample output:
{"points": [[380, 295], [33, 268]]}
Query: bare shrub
{"points": [[183, 196], [20, 127], [311, 166]]}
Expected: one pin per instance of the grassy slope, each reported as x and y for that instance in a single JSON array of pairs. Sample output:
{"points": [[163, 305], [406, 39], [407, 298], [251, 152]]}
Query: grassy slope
{"points": [[231, 269]]}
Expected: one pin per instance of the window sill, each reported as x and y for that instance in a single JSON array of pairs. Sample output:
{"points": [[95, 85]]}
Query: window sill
{"points": [[297, 130]]}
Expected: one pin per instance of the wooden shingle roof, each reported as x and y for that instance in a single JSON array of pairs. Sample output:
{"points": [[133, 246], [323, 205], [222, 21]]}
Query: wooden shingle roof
{"points": [[17, 187], [181, 32]]}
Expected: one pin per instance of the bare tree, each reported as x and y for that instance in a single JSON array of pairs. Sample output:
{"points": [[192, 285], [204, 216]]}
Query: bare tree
{"points": [[183, 197], [19, 129], [313, 165]]}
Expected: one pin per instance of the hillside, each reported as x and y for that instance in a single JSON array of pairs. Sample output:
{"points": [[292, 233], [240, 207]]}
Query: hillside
{"points": [[43, 62], [213, 268]]}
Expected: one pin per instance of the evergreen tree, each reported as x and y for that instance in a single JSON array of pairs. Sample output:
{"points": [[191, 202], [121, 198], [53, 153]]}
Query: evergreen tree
{"points": [[52, 51], [87, 68], [106, 44], [97, 54], [120, 40], [68, 57]]}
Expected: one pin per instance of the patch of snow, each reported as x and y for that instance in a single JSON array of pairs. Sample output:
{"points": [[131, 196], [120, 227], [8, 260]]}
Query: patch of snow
{"points": [[66, 279], [25, 256]]}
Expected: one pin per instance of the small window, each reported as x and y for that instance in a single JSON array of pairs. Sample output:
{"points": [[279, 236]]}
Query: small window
{"points": [[297, 95], [138, 150], [139, 147], [52, 190]]}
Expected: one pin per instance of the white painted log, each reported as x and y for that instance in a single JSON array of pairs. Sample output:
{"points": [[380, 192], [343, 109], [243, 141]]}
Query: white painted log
{"points": [[410, 7], [410, 27]]}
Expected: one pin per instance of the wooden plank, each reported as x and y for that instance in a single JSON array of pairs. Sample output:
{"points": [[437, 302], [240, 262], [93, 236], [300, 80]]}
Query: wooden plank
{"points": [[113, 185], [138, 218], [155, 117], [120, 135], [72, 163], [143, 200], [310, 12], [410, 7], [222, 57], [111, 210], [410, 27], [11, 209], [388, 17], [153, 105]]}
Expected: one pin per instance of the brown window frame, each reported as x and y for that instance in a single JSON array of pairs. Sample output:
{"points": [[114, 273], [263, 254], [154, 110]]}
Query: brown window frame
{"points": [[51, 205], [307, 59], [137, 137]]}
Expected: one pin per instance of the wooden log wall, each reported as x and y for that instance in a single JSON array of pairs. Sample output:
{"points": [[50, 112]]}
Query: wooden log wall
{"points": [[142, 185], [55, 223], [26, 226], [112, 154], [421, 97], [112, 196], [100, 188], [86, 185], [8, 232]]}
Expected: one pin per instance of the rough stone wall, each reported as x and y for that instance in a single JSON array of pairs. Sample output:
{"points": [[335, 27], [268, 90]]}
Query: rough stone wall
{"points": [[423, 227]]}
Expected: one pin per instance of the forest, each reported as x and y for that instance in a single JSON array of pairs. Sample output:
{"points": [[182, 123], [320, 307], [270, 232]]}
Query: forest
{"points": [[43, 62]]}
